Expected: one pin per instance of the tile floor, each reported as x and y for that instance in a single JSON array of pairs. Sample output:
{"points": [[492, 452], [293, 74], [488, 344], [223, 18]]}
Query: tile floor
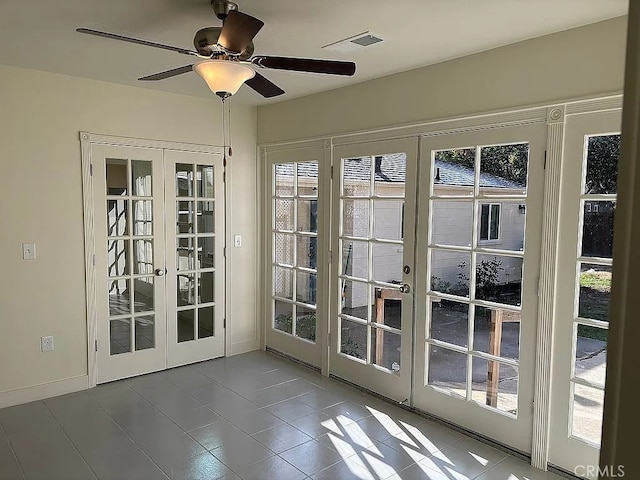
{"points": [[252, 416]]}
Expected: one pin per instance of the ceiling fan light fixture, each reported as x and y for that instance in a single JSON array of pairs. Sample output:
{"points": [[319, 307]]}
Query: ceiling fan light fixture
{"points": [[223, 77]]}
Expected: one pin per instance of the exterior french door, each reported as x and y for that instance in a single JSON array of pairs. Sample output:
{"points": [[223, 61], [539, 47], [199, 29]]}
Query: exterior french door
{"points": [[478, 245], [587, 208], [159, 234], [373, 234], [297, 196]]}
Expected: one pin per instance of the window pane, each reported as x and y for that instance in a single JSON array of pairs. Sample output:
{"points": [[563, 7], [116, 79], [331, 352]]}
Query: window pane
{"points": [[354, 299], [284, 179], [116, 173], [306, 287], [119, 297], [307, 252], [597, 233], [595, 291], [495, 384], [142, 256], [591, 354], [117, 218], [387, 262], [448, 370], [387, 219], [118, 258], [307, 216], [206, 287], [385, 349], [588, 407], [484, 222], [454, 171], [205, 181], [205, 322], [283, 316], [284, 214], [283, 282], [185, 293], [452, 223], [120, 336], [184, 180], [206, 252], [356, 177], [283, 248], [186, 325], [495, 222], [497, 332], [603, 152], [206, 221], [450, 272], [355, 259], [503, 169], [184, 217], [308, 179], [353, 339], [390, 174], [185, 254], [387, 306], [355, 218], [142, 217], [306, 323], [499, 279], [143, 294], [449, 322], [141, 178], [145, 335]]}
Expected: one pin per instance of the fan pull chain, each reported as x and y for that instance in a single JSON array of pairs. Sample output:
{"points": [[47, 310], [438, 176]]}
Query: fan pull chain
{"points": [[229, 131]]}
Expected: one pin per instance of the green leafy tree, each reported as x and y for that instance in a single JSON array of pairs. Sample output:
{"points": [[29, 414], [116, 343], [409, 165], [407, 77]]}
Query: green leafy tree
{"points": [[602, 164]]}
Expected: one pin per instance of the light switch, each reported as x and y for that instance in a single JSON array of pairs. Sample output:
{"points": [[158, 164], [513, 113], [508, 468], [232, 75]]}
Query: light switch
{"points": [[237, 241], [29, 251]]}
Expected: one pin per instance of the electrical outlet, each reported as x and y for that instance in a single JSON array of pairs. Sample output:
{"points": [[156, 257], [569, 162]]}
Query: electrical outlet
{"points": [[46, 343], [237, 241]]}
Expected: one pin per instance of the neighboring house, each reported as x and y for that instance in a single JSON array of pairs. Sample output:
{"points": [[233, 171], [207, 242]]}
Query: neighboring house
{"points": [[501, 224]]}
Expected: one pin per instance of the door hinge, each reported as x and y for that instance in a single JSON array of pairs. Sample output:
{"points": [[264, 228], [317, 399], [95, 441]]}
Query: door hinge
{"points": [[224, 252], [91, 169], [545, 160], [94, 259], [331, 172], [224, 323], [330, 256], [96, 345], [224, 176]]}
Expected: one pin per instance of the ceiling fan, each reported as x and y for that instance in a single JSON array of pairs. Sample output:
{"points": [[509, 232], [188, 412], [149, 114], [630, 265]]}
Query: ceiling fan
{"points": [[226, 55]]}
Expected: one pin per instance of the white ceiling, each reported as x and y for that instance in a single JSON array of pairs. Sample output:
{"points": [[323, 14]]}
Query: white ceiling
{"points": [[40, 34]]}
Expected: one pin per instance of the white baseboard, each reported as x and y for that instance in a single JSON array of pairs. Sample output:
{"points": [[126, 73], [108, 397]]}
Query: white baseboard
{"points": [[42, 391], [244, 347]]}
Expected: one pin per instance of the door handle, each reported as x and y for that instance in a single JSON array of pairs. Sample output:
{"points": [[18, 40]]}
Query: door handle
{"points": [[405, 288], [160, 272]]}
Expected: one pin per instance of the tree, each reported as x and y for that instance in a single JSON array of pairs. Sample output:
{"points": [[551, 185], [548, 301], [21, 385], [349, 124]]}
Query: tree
{"points": [[602, 164]]}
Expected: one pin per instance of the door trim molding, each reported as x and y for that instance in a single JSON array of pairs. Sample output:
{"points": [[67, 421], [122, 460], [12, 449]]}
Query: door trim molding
{"points": [[88, 139]]}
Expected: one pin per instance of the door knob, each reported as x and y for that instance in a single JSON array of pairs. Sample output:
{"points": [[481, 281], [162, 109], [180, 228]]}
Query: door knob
{"points": [[405, 288], [160, 271]]}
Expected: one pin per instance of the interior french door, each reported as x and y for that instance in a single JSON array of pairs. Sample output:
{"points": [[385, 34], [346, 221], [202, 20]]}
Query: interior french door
{"points": [[478, 245], [297, 268], [587, 208], [159, 233], [374, 191]]}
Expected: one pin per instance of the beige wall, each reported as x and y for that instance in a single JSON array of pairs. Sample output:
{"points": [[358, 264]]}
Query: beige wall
{"points": [[582, 62], [41, 201]]}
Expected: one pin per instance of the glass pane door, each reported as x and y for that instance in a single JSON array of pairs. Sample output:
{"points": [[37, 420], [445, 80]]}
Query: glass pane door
{"points": [[372, 245], [128, 199], [295, 251], [195, 257], [588, 205], [478, 250]]}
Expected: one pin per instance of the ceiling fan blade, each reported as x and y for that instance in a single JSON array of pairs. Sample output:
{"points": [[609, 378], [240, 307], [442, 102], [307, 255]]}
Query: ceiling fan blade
{"points": [[264, 86], [238, 30], [146, 43], [168, 73], [332, 67]]}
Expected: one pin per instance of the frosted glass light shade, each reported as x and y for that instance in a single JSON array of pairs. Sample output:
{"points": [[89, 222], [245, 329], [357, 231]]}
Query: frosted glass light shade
{"points": [[224, 77]]}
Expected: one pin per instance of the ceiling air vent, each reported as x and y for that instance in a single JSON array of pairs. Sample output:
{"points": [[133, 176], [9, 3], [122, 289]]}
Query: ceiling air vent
{"points": [[351, 44]]}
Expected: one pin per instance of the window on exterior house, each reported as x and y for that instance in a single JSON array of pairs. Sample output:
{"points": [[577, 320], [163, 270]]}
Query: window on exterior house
{"points": [[489, 221]]}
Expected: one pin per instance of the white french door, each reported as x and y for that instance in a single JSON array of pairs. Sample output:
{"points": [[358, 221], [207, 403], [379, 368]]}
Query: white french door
{"points": [[587, 208], [159, 269], [298, 199], [478, 246], [374, 191]]}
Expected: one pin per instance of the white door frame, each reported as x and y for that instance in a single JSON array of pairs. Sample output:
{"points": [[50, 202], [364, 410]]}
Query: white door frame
{"points": [[86, 140]]}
